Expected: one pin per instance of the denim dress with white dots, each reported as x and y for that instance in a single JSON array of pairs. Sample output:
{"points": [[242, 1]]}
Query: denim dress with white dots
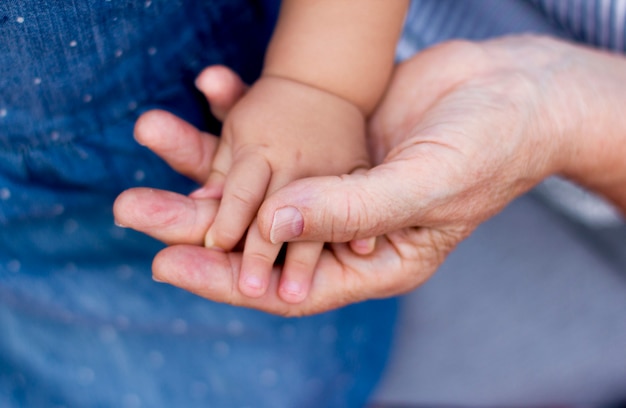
{"points": [[82, 324]]}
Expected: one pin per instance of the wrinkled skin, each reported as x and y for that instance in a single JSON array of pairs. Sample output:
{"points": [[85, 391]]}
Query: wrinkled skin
{"points": [[463, 129]]}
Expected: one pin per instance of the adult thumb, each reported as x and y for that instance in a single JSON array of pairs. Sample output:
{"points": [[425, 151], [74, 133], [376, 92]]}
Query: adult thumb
{"points": [[337, 209]]}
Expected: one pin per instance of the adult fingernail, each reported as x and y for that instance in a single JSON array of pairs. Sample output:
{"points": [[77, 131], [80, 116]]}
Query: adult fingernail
{"points": [[202, 192], [288, 224], [156, 279]]}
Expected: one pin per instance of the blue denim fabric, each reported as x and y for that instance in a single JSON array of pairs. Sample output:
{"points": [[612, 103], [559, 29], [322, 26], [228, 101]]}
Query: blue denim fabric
{"points": [[82, 323]]}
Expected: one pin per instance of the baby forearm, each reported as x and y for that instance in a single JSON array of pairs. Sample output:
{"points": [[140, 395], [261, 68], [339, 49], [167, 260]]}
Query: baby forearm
{"points": [[345, 47]]}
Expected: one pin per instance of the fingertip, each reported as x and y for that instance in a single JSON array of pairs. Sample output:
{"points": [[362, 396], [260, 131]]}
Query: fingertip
{"points": [[222, 87], [123, 207], [148, 125], [210, 241], [158, 279], [208, 191], [252, 285], [292, 292], [213, 77], [363, 246]]}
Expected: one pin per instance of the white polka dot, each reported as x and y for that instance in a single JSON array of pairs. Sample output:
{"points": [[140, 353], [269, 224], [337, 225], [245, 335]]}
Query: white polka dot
{"points": [[217, 383], [5, 194], [3, 112], [14, 266], [70, 267], [118, 53], [19, 379], [86, 376], [139, 175], [73, 43], [314, 385], [70, 226], [20, 19], [152, 51], [268, 378], [82, 154], [148, 3], [37, 81], [234, 327], [328, 334], [122, 321], [131, 401], [87, 98], [179, 326], [132, 105], [124, 272], [221, 349], [156, 359], [54, 136], [198, 389], [58, 209], [107, 334]]}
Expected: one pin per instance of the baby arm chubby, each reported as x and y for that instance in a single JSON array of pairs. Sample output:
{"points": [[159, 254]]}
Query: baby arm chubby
{"points": [[326, 68]]}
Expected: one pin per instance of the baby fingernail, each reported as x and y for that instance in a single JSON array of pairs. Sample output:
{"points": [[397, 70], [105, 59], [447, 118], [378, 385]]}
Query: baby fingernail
{"points": [[210, 244], [202, 192], [293, 292], [288, 223], [253, 282], [363, 246], [292, 288], [208, 241]]}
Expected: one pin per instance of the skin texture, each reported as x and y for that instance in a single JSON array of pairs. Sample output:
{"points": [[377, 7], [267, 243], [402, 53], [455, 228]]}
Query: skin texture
{"points": [[274, 136], [463, 129], [304, 117]]}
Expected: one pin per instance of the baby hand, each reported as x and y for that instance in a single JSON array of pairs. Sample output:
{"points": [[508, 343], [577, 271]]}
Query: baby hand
{"points": [[280, 131]]}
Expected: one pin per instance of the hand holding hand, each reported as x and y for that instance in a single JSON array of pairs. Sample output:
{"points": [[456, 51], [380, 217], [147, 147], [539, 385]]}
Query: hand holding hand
{"points": [[463, 129]]}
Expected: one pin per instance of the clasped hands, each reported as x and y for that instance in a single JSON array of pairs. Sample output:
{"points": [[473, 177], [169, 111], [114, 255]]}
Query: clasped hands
{"points": [[463, 129]]}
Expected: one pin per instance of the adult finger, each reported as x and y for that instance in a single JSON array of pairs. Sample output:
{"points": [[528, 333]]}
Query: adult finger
{"points": [[169, 217], [186, 149], [214, 275], [340, 209], [222, 88], [402, 261]]}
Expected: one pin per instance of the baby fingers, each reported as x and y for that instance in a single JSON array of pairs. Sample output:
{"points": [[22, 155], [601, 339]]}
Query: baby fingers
{"points": [[257, 263], [244, 190], [297, 275]]}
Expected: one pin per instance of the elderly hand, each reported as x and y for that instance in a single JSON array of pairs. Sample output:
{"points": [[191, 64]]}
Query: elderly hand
{"points": [[464, 129]]}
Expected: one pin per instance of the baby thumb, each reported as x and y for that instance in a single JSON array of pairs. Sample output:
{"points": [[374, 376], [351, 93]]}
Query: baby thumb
{"points": [[333, 209]]}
